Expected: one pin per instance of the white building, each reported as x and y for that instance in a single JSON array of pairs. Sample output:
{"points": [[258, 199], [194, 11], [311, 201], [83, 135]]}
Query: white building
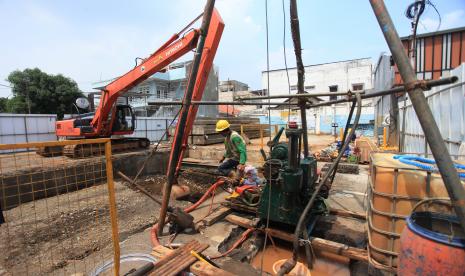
{"points": [[232, 86], [168, 86], [340, 76]]}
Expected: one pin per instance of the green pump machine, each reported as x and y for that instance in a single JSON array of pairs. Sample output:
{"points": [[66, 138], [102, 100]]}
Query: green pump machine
{"points": [[290, 181]]}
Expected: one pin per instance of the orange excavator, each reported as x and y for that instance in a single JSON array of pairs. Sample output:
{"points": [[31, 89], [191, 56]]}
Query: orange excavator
{"points": [[111, 119]]}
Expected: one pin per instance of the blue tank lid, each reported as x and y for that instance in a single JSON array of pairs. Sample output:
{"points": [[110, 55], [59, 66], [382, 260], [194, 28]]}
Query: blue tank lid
{"points": [[421, 223]]}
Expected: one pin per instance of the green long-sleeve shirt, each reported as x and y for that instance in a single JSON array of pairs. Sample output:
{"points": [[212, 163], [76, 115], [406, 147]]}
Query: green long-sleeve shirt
{"points": [[235, 147]]}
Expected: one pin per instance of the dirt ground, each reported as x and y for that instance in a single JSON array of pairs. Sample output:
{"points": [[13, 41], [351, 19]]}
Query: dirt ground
{"points": [[51, 235], [71, 233]]}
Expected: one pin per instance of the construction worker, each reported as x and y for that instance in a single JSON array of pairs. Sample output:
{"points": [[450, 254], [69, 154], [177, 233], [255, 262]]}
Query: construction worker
{"points": [[236, 154]]}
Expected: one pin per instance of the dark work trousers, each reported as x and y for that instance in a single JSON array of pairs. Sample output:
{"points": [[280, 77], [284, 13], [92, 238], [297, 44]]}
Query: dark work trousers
{"points": [[227, 166], [2, 219]]}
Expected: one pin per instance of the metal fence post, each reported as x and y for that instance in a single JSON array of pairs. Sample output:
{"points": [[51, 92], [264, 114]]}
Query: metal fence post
{"points": [[113, 213], [146, 129], [25, 129], [167, 130]]}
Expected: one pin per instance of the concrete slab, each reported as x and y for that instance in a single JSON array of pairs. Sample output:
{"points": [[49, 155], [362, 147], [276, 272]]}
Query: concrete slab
{"points": [[349, 191]]}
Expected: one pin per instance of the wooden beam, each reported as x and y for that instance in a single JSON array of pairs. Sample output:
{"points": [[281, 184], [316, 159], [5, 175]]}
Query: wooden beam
{"points": [[347, 214], [317, 243], [217, 215], [332, 211], [243, 222], [203, 269]]}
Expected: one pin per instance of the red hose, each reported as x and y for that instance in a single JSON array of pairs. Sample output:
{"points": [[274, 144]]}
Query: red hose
{"points": [[154, 236], [236, 244], [154, 229], [205, 196]]}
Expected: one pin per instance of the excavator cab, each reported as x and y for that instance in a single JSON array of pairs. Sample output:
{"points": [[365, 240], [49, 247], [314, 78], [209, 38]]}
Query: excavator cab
{"points": [[125, 120]]}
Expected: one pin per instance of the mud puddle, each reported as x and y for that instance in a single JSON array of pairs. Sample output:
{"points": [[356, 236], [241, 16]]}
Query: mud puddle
{"points": [[324, 263]]}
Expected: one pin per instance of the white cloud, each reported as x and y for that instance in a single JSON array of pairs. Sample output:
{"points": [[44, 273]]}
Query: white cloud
{"points": [[449, 20]]}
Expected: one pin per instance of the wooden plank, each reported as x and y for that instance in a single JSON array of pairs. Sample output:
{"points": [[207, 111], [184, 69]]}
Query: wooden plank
{"points": [[174, 253], [244, 222], [176, 261], [317, 243], [203, 269], [217, 215]]}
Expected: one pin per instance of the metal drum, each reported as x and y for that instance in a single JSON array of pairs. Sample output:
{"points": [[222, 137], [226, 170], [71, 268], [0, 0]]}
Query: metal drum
{"points": [[432, 244]]}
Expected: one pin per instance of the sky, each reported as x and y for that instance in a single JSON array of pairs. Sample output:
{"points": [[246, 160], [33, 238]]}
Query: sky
{"points": [[90, 41]]}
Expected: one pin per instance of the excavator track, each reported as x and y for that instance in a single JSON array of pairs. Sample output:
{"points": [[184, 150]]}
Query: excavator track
{"points": [[118, 145]]}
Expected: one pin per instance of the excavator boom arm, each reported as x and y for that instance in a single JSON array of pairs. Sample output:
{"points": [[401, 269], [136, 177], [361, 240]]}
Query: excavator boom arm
{"points": [[156, 62]]}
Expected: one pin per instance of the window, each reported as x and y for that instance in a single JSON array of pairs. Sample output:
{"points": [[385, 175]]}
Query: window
{"points": [[145, 89], [357, 86], [165, 94], [309, 87], [333, 88], [158, 93]]}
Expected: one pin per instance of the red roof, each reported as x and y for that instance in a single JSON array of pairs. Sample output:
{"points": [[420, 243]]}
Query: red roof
{"points": [[228, 109]]}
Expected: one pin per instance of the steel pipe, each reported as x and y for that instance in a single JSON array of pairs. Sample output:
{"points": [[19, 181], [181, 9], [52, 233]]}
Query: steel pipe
{"points": [[295, 31], [350, 98], [425, 116], [398, 89], [219, 103], [304, 95]]}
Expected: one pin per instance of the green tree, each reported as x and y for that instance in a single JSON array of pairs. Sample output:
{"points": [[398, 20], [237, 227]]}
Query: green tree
{"points": [[37, 92], [3, 105]]}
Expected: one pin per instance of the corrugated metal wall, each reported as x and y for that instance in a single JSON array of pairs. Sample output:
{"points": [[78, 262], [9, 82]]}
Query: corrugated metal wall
{"points": [[448, 106], [383, 79], [23, 128], [151, 127]]}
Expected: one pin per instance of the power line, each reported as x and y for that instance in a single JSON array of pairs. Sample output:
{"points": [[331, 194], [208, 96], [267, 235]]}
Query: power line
{"points": [[269, 126], [7, 86]]}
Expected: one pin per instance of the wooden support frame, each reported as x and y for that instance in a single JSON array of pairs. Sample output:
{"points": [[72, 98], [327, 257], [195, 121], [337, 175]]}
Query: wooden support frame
{"points": [[317, 243]]}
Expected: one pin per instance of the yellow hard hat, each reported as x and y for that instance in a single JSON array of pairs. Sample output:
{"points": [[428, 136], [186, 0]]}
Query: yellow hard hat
{"points": [[221, 125]]}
